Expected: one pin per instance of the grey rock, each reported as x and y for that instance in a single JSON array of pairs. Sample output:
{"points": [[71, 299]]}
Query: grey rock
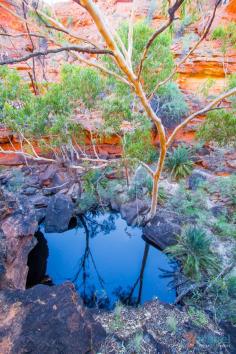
{"points": [[49, 191], [40, 202], [47, 319], [131, 210], [30, 191], [40, 214], [58, 213], [203, 151], [218, 210], [195, 180], [47, 176], [163, 229], [18, 230], [32, 181], [230, 331], [115, 205], [2, 256], [74, 192]]}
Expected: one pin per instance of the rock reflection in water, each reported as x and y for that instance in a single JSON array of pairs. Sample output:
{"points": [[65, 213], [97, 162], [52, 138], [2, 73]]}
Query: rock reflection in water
{"points": [[37, 262], [109, 261]]}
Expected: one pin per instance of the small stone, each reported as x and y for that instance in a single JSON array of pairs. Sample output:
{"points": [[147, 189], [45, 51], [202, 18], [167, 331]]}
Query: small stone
{"points": [[30, 191], [218, 210]]}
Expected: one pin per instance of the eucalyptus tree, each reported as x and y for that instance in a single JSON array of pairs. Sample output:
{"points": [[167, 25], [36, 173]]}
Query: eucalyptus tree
{"points": [[125, 69]]}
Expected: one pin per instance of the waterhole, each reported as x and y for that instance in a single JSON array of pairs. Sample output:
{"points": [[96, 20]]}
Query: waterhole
{"points": [[107, 260]]}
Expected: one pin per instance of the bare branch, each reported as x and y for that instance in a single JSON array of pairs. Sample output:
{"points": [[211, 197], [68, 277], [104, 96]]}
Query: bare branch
{"points": [[21, 35], [205, 285], [56, 50], [130, 34], [103, 69], [57, 27], [202, 111], [172, 10], [25, 154], [34, 80], [203, 36]]}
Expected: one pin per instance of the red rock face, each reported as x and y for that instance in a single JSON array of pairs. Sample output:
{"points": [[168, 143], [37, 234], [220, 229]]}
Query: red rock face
{"points": [[7, 19], [18, 230], [207, 62], [231, 8]]}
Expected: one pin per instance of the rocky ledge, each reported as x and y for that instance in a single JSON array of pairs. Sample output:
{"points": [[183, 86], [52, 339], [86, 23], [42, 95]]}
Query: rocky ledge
{"points": [[27, 196], [47, 320], [159, 328]]}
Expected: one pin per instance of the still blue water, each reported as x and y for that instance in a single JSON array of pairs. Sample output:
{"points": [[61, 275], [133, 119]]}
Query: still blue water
{"points": [[108, 260]]}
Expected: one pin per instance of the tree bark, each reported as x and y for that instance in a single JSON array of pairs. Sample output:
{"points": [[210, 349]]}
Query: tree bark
{"points": [[156, 179]]}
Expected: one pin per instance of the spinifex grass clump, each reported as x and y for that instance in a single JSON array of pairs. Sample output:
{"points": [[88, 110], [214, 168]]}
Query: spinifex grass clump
{"points": [[194, 252], [179, 162]]}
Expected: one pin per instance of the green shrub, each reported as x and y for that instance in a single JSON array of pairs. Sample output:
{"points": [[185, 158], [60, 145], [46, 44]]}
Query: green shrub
{"points": [[115, 110], [222, 295], [161, 45], [170, 105], [219, 32], [206, 86], [194, 252], [134, 345], [191, 203], [138, 145], [226, 187], [172, 323], [220, 125], [224, 227], [86, 202], [231, 286], [82, 83], [36, 116], [197, 316], [179, 162], [226, 34], [117, 322], [156, 67]]}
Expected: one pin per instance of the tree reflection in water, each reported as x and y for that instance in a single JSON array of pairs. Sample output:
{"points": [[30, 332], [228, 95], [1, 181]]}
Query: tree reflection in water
{"points": [[88, 292], [117, 265], [37, 262], [127, 296]]}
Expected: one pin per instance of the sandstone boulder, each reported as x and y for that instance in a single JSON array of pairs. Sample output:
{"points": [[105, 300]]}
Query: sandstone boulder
{"points": [[18, 230], [58, 213], [47, 319], [163, 229], [132, 210]]}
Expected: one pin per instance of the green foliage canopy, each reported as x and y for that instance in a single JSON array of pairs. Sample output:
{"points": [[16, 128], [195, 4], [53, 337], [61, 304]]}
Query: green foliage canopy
{"points": [[51, 113], [220, 125]]}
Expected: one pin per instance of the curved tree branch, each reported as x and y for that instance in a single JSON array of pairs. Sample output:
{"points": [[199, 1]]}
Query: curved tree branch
{"points": [[54, 51], [172, 10], [203, 36], [21, 35], [57, 26], [106, 71], [200, 112]]}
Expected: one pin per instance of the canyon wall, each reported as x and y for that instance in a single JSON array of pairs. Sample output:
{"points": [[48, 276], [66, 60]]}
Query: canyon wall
{"points": [[207, 62]]}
